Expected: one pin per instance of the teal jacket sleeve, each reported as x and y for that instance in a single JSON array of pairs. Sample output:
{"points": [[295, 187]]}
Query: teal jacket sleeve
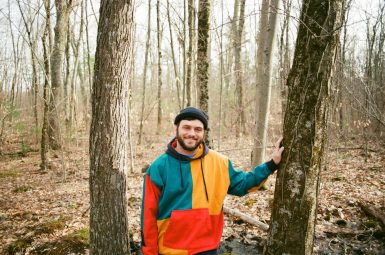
{"points": [[242, 183]]}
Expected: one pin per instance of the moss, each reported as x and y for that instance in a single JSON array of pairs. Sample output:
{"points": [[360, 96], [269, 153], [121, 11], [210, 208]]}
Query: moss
{"points": [[73, 206], [250, 202], [371, 223], [75, 242], [51, 226], [19, 246], [8, 174], [22, 189]]}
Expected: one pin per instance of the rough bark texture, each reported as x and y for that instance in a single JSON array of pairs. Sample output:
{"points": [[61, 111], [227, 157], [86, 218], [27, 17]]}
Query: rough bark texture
{"points": [[202, 58], [176, 74], [191, 27], [57, 58], [44, 131], [266, 37], [159, 98], [237, 43], [295, 200], [145, 73], [109, 130]]}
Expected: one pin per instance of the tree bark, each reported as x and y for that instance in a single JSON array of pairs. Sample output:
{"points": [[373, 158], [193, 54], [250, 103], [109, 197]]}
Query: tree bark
{"points": [[28, 23], [202, 58], [263, 80], [240, 126], [176, 78], [145, 73], [109, 232], [44, 132], [159, 99], [294, 211], [63, 9], [191, 27]]}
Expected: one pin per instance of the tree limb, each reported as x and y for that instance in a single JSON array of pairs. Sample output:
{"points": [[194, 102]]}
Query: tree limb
{"points": [[246, 218]]}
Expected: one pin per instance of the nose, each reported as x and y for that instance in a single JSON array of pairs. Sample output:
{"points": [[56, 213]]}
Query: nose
{"points": [[191, 133]]}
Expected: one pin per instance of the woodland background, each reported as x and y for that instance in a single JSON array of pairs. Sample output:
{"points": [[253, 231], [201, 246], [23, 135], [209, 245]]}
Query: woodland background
{"points": [[46, 76]]}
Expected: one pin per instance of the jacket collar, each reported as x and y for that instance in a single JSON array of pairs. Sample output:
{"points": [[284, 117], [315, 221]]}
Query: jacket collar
{"points": [[203, 150]]}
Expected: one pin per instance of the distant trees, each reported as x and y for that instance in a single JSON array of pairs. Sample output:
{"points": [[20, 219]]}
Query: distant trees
{"points": [[109, 130], [294, 211]]}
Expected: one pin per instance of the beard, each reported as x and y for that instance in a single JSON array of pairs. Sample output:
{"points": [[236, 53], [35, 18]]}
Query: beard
{"points": [[188, 147]]}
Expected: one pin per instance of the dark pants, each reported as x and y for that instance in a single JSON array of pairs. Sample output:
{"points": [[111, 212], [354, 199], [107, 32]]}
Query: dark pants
{"points": [[212, 252]]}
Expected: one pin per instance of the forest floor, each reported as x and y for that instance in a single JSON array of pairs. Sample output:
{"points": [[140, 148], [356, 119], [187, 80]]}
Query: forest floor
{"points": [[47, 212]]}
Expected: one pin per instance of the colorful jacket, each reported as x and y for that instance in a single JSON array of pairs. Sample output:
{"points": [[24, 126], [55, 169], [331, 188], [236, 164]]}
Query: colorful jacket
{"points": [[183, 198]]}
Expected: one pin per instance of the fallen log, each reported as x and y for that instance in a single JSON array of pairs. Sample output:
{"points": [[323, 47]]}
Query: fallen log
{"points": [[372, 211], [246, 218]]}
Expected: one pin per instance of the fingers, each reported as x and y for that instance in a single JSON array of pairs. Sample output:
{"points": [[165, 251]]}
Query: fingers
{"points": [[278, 142]]}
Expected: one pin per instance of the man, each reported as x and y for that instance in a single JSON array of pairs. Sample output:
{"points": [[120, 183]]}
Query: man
{"points": [[185, 187]]}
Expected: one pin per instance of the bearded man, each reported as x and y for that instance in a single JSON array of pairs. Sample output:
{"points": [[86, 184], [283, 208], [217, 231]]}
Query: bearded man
{"points": [[185, 187]]}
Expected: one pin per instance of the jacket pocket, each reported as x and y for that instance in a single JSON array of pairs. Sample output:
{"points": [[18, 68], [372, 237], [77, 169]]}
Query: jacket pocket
{"points": [[192, 229]]}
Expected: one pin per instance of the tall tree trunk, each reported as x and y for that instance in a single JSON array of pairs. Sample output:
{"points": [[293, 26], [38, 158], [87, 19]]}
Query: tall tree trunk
{"points": [[191, 27], [266, 38], [145, 73], [44, 131], [15, 51], [240, 124], [67, 77], [28, 23], [176, 78], [109, 232], [284, 55], [294, 211], [89, 68], [159, 36], [202, 59], [72, 110], [221, 74], [57, 59]]}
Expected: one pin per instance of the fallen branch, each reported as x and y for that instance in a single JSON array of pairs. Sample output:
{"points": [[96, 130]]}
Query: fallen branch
{"points": [[372, 211], [246, 218]]}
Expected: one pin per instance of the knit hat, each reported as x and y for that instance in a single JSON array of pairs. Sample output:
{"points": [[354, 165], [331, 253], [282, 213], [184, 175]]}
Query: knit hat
{"points": [[191, 113]]}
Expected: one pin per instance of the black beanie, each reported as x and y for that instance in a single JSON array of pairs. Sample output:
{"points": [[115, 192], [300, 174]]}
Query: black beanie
{"points": [[191, 113]]}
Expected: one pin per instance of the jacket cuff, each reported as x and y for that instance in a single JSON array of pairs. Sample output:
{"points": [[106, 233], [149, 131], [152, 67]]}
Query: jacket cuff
{"points": [[271, 165]]}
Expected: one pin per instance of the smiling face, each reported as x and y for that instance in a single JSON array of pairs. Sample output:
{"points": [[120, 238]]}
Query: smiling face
{"points": [[189, 135]]}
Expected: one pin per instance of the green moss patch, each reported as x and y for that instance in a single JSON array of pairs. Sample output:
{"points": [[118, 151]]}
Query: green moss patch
{"points": [[19, 246], [8, 174], [51, 226], [74, 243], [21, 189]]}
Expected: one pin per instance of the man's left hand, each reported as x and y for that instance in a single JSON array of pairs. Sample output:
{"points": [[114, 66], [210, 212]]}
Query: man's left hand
{"points": [[277, 153]]}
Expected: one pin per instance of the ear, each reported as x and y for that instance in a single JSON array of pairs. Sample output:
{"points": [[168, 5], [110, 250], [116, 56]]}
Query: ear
{"points": [[175, 128]]}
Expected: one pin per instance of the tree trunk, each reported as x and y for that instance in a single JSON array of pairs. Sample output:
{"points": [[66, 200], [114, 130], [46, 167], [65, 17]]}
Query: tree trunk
{"points": [[266, 37], [57, 59], [240, 124], [294, 211], [202, 59], [72, 105], [109, 130], [28, 23], [284, 55], [145, 73], [191, 27], [159, 36], [44, 131], [176, 78], [221, 76]]}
